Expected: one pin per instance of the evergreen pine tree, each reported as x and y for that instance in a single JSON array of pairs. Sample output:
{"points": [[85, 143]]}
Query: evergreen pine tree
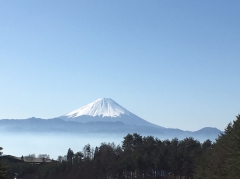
{"points": [[70, 155]]}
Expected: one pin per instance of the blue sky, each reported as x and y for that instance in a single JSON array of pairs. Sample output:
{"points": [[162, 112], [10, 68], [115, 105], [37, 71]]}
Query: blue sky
{"points": [[173, 63]]}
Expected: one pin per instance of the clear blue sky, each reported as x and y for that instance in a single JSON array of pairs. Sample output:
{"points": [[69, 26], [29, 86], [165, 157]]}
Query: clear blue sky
{"points": [[173, 63]]}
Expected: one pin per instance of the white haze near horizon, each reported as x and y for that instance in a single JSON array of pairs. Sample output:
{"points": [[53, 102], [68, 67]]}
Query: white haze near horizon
{"points": [[23, 144], [53, 145]]}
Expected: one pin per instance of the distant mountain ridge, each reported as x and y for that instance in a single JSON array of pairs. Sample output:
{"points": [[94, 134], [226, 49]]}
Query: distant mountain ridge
{"points": [[103, 116], [56, 125]]}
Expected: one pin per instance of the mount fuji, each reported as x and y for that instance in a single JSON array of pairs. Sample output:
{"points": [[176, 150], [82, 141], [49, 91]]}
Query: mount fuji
{"points": [[105, 110], [103, 116]]}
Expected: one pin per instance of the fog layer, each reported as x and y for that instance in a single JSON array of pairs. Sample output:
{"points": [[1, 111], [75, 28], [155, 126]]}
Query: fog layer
{"points": [[52, 144]]}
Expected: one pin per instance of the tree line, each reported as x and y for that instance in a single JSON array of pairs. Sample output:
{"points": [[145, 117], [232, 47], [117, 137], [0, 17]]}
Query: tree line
{"points": [[137, 157], [146, 157]]}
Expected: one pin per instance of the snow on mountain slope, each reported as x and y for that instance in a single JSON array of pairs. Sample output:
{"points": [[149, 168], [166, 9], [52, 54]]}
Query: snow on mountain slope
{"points": [[103, 107], [105, 110]]}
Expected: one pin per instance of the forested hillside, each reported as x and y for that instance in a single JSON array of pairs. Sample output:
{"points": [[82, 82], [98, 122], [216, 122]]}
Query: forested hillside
{"points": [[222, 161]]}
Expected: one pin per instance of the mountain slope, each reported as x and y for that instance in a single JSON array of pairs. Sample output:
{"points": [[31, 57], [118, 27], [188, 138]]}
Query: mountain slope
{"points": [[105, 110]]}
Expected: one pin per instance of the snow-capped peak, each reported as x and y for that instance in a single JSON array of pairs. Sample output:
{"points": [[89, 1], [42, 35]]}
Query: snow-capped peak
{"points": [[103, 107]]}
